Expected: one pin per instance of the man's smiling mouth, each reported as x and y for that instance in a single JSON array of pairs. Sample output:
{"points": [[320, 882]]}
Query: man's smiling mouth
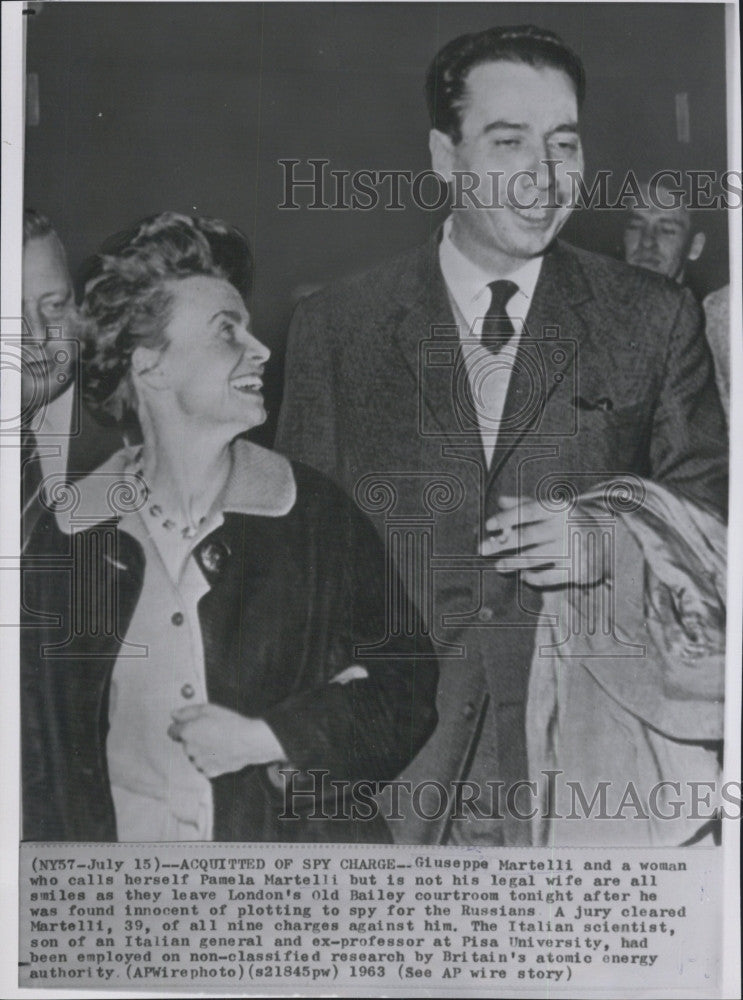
{"points": [[535, 216]]}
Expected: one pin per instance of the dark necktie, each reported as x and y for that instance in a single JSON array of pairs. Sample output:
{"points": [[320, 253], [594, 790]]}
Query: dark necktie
{"points": [[497, 328]]}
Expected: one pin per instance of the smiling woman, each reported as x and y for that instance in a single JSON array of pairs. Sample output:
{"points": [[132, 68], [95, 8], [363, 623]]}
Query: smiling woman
{"points": [[210, 626]]}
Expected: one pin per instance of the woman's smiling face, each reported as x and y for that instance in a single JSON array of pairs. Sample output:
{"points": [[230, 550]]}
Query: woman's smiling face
{"points": [[212, 364]]}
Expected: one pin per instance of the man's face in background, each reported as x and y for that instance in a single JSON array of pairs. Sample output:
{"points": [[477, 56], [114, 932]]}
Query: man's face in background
{"points": [[49, 314], [661, 239], [519, 123]]}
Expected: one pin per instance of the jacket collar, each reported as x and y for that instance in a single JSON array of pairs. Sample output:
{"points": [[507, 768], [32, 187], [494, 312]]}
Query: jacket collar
{"points": [[261, 484], [425, 316], [423, 283]]}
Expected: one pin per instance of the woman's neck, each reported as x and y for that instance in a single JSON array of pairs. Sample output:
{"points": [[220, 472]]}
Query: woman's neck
{"points": [[185, 469]]}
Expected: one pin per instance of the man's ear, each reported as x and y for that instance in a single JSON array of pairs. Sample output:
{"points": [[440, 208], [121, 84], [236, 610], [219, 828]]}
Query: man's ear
{"points": [[696, 247], [146, 367], [442, 154]]}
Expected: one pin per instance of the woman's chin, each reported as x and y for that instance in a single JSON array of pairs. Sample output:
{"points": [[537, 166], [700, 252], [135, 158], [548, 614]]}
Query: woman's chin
{"points": [[255, 418]]}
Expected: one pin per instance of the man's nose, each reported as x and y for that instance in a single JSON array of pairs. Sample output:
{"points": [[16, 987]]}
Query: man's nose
{"points": [[648, 237], [544, 167], [34, 326], [532, 167]]}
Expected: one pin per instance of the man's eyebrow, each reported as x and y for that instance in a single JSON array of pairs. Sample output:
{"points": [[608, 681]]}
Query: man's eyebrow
{"points": [[502, 123], [565, 127]]}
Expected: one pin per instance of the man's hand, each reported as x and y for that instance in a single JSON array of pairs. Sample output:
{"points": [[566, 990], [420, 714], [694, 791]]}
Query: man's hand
{"points": [[218, 741], [528, 539]]}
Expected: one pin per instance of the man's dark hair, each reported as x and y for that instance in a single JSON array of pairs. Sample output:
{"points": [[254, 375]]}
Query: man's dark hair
{"points": [[446, 79], [35, 224]]}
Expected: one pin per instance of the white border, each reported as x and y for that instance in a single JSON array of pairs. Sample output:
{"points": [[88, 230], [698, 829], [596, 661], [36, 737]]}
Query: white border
{"points": [[13, 64]]}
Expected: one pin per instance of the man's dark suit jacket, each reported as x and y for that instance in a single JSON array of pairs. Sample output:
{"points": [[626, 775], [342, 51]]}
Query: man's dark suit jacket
{"points": [[88, 445], [613, 379]]}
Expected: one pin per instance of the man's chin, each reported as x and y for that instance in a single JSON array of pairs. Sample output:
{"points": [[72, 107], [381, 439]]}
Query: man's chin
{"points": [[527, 246]]}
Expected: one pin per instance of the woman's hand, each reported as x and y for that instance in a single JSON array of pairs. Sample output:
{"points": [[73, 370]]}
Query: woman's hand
{"points": [[218, 741]]}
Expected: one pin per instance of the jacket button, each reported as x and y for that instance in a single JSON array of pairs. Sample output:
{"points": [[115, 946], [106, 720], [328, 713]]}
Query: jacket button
{"points": [[485, 614], [469, 711], [213, 556], [177, 618], [187, 691]]}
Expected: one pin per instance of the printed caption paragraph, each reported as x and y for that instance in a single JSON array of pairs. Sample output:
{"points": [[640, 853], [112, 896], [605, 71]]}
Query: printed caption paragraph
{"points": [[286, 916]]}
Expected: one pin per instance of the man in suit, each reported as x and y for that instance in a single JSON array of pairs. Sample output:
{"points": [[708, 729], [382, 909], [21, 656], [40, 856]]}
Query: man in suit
{"points": [[661, 233], [467, 391], [59, 438]]}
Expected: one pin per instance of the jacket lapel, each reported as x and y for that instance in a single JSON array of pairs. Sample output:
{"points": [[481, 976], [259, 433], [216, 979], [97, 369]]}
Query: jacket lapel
{"points": [[541, 397], [427, 335]]}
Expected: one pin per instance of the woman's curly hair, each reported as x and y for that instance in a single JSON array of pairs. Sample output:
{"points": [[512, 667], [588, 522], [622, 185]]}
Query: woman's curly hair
{"points": [[128, 299]]}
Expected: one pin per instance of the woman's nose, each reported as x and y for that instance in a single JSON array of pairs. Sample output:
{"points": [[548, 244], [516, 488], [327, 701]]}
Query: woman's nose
{"points": [[256, 349]]}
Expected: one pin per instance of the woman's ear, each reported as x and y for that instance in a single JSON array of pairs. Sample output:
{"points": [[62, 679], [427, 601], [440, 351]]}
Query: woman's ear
{"points": [[146, 366]]}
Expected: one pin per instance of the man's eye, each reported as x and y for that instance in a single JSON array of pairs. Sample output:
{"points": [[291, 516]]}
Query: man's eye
{"points": [[507, 142], [566, 145], [227, 331], [54, 309]]}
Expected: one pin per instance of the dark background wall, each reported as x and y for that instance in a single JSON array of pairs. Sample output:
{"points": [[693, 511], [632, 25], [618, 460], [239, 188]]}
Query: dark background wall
{"points": [[189, 106]]}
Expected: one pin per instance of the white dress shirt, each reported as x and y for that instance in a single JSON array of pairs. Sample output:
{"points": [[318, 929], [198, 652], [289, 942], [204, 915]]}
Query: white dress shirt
{"points": [[469, 294]]}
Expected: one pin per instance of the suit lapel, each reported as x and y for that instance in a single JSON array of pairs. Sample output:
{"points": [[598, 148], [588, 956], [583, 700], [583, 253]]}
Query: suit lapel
{"points": [[540, 401], [427, 335], [555, 352]]}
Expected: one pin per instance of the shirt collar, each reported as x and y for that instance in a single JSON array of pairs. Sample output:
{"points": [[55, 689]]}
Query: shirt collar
{"points": [[57, 418], [467, 282], [261, 483]]}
